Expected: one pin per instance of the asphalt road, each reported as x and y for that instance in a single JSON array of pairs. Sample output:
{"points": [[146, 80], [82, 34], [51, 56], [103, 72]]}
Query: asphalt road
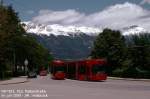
{"points": [[46, 88]]}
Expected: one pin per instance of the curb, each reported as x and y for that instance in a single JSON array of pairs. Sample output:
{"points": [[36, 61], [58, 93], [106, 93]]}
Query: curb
{"points": [[19, 82], [129, 79]]}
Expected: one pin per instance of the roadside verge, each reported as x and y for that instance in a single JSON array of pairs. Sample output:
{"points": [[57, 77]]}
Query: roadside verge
{"points": [[129, 79], [17, 80]]}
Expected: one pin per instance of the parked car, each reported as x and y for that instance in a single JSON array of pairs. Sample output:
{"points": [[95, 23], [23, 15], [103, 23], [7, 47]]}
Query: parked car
{"points": [[32, 74]]}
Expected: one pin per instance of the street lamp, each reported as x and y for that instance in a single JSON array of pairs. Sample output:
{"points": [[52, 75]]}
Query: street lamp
{"points": [[26, 62]]}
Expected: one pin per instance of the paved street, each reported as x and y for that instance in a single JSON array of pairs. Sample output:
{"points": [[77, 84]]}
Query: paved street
{"points": [[46, 88]]}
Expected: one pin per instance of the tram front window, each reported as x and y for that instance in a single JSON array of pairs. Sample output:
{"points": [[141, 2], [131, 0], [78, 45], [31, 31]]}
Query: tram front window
{"points": [[98, 69], [60, 68]]}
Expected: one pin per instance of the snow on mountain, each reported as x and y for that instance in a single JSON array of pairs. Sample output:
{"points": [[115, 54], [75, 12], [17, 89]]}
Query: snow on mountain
{"points": [[56, 29], [133, 30]]}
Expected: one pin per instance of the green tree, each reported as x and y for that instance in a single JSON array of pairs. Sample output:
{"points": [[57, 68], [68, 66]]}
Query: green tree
{"points": [[110, 45], [27, 47], [16, 45], [9, 28], [139, 54]]}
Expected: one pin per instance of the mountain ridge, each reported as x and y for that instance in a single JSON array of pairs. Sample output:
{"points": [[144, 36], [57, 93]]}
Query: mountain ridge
{"points": [[56, 29]]}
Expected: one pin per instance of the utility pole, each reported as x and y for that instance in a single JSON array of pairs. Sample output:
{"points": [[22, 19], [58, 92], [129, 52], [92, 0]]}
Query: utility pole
{"points": [[14, 56]]}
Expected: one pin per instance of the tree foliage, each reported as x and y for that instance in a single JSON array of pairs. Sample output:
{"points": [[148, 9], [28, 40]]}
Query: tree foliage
{"points": [[128, 56], [16, 45], [139, 51], [110, 45]]}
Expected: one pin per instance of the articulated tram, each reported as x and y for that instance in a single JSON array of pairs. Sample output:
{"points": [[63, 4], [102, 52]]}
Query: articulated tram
{"points": [[92, 69]]}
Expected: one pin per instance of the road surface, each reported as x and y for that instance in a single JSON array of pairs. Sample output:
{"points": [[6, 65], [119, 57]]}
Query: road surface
{"points": [[46, 88]]}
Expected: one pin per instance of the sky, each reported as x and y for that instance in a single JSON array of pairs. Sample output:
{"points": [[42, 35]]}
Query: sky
{"points": [[114, 14]]}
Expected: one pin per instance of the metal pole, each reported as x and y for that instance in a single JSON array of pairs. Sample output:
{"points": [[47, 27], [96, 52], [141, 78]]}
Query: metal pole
{"points": [[14, 58]]}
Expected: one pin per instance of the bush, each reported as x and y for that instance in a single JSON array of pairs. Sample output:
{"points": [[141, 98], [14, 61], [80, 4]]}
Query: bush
{"points": [[8, 74], [5, 75], [118, 72], [135, 72]]}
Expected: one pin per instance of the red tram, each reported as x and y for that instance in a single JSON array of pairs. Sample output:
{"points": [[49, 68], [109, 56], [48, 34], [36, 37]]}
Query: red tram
{"points": [[92, 69]]}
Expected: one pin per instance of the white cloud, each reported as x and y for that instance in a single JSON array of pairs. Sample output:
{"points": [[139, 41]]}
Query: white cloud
{"points": [[116, 17], [145, 1], [58, 17]]}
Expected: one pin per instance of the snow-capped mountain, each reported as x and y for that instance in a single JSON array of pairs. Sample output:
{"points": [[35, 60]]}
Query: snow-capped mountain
{"points": [[65, 42], [133, 30], [56, 29], [70, 42]]}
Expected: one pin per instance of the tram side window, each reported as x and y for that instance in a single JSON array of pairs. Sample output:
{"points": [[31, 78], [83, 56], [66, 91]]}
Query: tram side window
{"points": [[71, 69], [98, 68], [82, 69]]}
